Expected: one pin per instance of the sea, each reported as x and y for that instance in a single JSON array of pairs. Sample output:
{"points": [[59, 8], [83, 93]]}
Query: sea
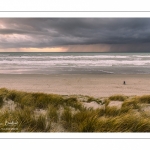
{"points": [[74, 63]]}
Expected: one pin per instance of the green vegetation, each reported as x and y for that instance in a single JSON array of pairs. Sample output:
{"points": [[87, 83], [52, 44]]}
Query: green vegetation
{"points": [[117, 98], [124, 123], [3, 92], [131, 104], [39, 112], [72, 102], [52, 113], [22, 121], [144, 99], [67, 118], [1, 101], [92, 99]]}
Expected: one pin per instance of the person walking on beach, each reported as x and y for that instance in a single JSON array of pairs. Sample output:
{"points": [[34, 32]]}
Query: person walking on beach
{"points": [[124, 82]]}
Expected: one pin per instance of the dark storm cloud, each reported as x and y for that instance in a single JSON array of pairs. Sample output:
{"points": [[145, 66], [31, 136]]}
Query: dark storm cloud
{"points": [[118, 33]]}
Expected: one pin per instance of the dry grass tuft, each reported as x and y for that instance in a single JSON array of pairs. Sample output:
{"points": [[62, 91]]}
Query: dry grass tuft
{"points": [[117, 97]]}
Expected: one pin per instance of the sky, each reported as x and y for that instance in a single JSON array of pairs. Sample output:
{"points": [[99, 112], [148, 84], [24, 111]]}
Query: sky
{"points": [[74, 34]]}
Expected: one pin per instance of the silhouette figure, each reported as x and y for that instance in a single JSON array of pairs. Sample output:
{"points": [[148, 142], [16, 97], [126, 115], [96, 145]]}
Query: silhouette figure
{"points": [[124, 82]]}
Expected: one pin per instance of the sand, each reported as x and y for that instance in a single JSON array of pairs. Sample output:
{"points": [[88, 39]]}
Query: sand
{"points": [[102, 85]]}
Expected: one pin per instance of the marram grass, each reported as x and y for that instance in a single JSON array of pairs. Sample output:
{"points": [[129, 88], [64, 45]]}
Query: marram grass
{"points": [[117, 97], [37, 112], [52, 113]]}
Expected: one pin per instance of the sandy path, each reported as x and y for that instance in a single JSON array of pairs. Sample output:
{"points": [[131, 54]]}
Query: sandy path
{"points": [[93, 85]]}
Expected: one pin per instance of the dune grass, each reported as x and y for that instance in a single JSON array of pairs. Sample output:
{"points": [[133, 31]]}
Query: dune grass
{"points": [[72, 102], [117, 97], [3, 93], [24, 121], [71, 114], [1, 101], [124, 123], [92, 99], [86, 121], [83, 121], [66, 118], [144, 99], [52, 113], [131, 104], [38, 100]]}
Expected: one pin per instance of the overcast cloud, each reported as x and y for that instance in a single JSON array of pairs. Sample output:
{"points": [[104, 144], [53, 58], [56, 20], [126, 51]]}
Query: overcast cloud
{"points": [[77, 34]]}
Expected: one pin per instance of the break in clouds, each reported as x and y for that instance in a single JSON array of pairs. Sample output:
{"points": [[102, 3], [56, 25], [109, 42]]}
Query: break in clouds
{"points": [[76, 34]]}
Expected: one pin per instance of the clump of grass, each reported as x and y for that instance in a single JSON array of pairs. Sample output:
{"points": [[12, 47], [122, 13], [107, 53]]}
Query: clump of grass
{"points": [[89, 125], [132, 123], [39, 100], [124, 123], [92, 99], [72, 102], [3, 116], [43, 100], [8, 123], [125, 110], [25, 118], [105, 123], [106, 102], [52, 113], [15, 95], [3, 92], [86, 121], [131, 104], [26, 100], [112, 111], [1, 101], [27, 122], [101, 112], [41, 124], [144, 99], [117, 98], [109, 111], [66, 118], [55, 100]]}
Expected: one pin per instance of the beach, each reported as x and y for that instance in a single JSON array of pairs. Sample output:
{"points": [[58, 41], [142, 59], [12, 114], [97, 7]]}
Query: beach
{"points": [[96, 85]]}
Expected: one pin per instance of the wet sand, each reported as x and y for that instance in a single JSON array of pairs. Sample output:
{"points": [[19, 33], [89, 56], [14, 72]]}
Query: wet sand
{"points": [[97, 85]]}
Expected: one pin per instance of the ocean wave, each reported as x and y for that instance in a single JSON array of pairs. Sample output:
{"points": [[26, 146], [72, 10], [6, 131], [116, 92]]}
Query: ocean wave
{"points": [[96, 62]]}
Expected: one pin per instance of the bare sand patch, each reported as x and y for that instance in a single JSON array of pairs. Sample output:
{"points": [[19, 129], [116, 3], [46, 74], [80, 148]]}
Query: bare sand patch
{"points": [[146, 108], [79, 84], [93, 105], [117, 104]]}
